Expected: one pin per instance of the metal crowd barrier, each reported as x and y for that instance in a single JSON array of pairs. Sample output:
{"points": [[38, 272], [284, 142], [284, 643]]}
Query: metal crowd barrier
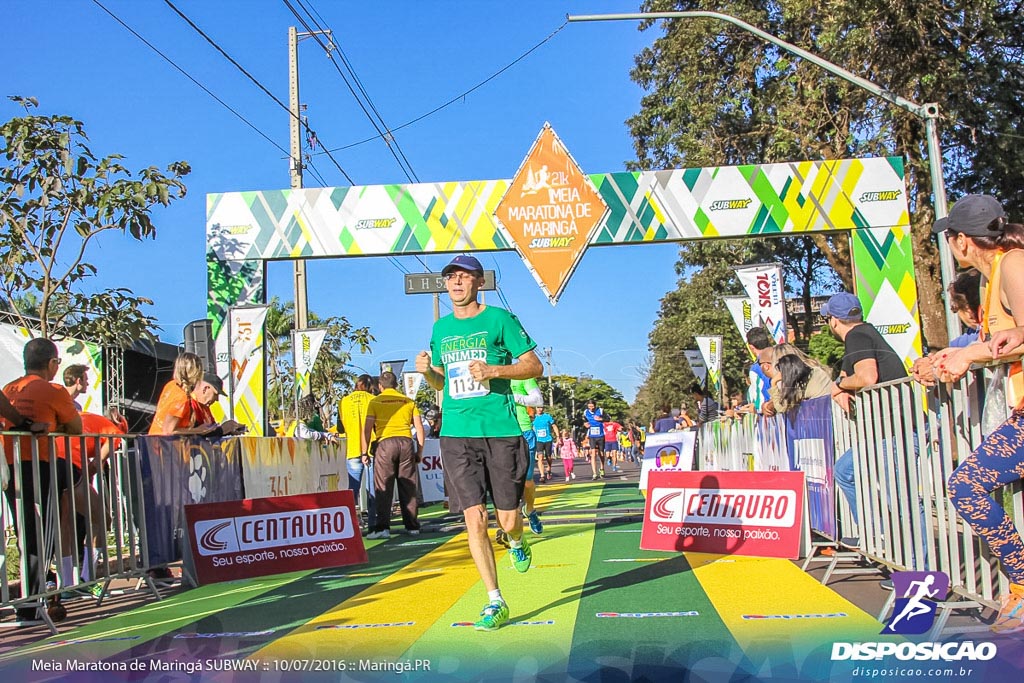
{"points": [[906, 441], [746, 443], [48, 511]]}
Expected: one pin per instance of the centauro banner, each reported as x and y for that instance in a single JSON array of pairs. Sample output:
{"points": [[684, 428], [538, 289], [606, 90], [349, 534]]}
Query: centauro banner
{"points": [[305, 348], [711, 352], [765, 287]]}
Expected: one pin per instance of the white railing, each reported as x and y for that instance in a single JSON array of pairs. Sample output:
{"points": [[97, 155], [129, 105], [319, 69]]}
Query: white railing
{"points": [[906, 441]]}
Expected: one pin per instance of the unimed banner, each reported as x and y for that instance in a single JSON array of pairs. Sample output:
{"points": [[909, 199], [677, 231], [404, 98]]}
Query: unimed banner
{"points": [[177, 471], [263, 536], [809, 433], [729, 513], [667, 452], [284, 466]]}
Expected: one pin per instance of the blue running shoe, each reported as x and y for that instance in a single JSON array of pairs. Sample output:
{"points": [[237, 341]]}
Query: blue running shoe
{"points": [[536, 526], [492, 617]]}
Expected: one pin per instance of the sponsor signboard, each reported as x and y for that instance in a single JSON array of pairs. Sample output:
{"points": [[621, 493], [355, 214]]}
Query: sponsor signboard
{"points": [[432, 472], [667, 452], [710, 348], [732, 513], [765, 285], [551, 212], [241, 539]]}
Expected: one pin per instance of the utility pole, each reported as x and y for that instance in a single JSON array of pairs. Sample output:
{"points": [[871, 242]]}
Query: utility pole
{"points": [[295, 158], [295, 164], [551, 379]]}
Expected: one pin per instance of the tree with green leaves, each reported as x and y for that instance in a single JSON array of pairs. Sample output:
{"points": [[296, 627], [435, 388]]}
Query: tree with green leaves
{"points": [[716, 95], [696, 308], [331, 377], [572, 393], [56, 199]]}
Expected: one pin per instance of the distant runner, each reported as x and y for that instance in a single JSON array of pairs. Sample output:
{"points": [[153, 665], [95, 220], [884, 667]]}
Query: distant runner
{"points": [[595, 435]]}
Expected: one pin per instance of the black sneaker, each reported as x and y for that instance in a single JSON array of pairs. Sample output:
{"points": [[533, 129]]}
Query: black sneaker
{"points": [[886, 585]]}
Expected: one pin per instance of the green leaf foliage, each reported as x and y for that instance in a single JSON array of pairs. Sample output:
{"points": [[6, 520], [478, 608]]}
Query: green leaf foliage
{"points": [[716, 94], [56, 199]]}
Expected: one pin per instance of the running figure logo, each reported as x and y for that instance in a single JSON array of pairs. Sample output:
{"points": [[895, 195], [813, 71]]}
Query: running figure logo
{"points": [[917, 593]]}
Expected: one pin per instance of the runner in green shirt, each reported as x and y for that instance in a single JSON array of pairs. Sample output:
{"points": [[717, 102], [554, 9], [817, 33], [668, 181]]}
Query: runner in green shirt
{"points": [[475, 352]]}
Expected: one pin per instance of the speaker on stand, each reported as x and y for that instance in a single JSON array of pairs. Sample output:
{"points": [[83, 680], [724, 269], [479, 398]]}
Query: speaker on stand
{"points": [[199, 340]]}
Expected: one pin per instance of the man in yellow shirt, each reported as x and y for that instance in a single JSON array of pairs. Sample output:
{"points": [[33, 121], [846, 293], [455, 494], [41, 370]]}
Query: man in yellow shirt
{"points": [[392, 416], [351, 420]]}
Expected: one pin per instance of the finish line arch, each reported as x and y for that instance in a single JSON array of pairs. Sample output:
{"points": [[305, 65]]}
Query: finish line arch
{"points": [[865, 197]]}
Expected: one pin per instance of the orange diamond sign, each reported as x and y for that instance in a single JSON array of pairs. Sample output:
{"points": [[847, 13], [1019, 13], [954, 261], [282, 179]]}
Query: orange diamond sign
{"points": [[551, 211]]}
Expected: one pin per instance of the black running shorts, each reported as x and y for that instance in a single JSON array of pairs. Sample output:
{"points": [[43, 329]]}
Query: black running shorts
{"points": [[474, 467], [597, 443]]}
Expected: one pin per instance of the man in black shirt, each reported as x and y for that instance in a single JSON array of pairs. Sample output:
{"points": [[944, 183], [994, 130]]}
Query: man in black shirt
{"points": [[868, 360]]}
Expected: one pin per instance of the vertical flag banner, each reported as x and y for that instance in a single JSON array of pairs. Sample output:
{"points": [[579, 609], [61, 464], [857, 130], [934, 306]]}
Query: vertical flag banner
{"points": [[711, 351], [764, 286], [697, 365], [411, 383], [743, 314], [394, 366], [247, 404], [305, 348]]}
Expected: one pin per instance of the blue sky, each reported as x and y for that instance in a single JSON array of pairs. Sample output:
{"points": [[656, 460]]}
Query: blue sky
{"points": [[410, 57]]}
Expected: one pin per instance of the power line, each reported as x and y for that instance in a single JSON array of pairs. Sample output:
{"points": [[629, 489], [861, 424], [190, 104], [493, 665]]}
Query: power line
{"points": [[262, 87], [320, 24], [459, 96], [389, 139], [190, 77]]}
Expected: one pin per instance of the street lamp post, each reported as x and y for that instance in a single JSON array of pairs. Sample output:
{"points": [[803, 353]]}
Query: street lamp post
{"points": [[929, 113]]}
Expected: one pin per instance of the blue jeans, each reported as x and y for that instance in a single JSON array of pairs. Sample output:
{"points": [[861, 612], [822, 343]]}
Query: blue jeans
{"points": [[845, 476], [356, 480]]}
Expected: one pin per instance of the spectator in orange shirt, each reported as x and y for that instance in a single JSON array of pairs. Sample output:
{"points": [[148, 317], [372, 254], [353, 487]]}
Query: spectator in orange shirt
{"points": [[174, 410], [35, 398], [87, 456]]}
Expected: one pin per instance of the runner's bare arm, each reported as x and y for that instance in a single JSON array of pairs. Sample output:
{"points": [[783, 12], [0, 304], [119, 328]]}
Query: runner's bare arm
{"points": [[527, 366], [433, 375]]}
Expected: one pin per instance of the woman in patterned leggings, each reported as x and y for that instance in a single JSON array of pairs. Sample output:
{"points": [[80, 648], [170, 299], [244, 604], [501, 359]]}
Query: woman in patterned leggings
{"points": [[980, 236]]}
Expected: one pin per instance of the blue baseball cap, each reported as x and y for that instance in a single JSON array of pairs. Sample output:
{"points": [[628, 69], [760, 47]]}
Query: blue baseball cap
{"points": [[463, 262], [972, 215], [843, 305]]}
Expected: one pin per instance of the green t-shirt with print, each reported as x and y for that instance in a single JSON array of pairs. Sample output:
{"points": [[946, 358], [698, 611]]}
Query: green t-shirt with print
{"points": [[473, 409]]}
